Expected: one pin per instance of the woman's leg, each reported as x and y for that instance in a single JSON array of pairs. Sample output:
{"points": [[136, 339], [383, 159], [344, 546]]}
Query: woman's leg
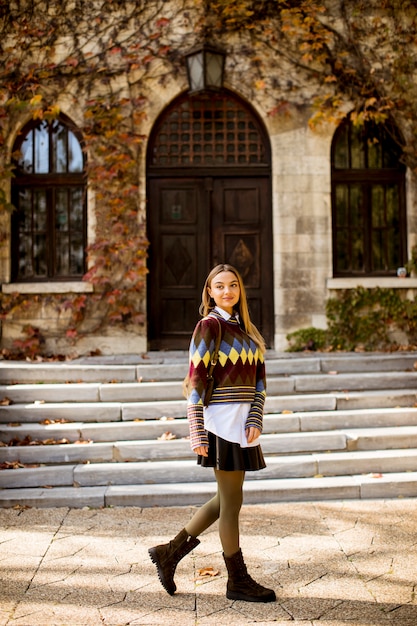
{"points": [[230, 492], [204, 517], [225, 506], [240, 586]]}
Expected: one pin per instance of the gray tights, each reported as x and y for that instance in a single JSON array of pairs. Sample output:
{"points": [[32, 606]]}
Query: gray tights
{"points": [[225, 507]]}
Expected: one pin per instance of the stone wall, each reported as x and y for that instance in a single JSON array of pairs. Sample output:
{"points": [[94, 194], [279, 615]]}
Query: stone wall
{"points": [[301, 210]]}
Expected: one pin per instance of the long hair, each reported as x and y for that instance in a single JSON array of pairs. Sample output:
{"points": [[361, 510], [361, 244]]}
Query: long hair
{"points": [[208, 304]]}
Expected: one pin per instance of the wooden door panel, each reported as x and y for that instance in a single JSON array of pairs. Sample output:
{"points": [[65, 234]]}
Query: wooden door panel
{"points": [[178, 256], [242, 236], [178, 235], [240, 206], [241, 249], [193, 225], [177, 205]]}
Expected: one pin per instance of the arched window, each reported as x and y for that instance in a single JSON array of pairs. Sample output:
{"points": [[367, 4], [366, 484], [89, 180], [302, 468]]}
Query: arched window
{"points": [[208, 130], [368, 201], [49, 194]]}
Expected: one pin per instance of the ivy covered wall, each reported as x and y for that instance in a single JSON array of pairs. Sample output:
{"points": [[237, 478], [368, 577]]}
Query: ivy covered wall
{"points": [[111, 66]]}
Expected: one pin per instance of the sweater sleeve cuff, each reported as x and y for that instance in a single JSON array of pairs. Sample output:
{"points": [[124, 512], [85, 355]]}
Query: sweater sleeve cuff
{"points": [[198, 435], [255, 417]]}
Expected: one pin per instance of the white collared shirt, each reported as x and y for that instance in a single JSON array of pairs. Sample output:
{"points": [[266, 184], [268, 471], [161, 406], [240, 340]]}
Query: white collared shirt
{"points": [[228, 421]]}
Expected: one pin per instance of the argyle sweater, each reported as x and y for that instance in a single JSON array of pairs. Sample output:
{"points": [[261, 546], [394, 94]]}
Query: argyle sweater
{"points": [[239, 374]]}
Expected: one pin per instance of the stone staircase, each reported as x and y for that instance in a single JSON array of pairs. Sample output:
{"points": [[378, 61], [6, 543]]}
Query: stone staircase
{"points": [[111, 431]]}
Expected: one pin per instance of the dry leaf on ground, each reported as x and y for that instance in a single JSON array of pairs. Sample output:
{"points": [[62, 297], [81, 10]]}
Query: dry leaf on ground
{"points": [[207, 572], [167, 436]]}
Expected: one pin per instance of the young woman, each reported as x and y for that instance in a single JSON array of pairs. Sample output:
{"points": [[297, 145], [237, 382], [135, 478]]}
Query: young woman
{"points": [[224, 434]]}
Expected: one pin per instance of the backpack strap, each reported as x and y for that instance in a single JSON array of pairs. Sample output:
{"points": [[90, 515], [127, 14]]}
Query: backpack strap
{"points": [[215, 355], [213, 361]]}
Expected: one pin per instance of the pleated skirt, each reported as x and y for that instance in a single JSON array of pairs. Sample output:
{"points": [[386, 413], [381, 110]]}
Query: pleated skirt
{"points": [[224, 455]]}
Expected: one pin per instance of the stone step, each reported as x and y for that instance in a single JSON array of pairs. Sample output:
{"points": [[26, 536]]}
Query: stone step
{"points": [[139, 440], [336, 426], [91, 392], [355, 382], [255, 492], [113, 392], [382, 438], [392, 485], [178, 448], [178, 427], [173, 366], [164, 472], [64, 372], [288, 363], [131, 392], [39, 411]]}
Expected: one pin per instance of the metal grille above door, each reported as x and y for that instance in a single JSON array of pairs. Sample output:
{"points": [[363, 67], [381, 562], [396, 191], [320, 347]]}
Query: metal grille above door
{"points": [[208, 131], [209, 202]]}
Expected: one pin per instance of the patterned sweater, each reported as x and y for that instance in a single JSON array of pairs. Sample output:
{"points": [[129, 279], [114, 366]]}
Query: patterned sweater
{"points": [[239, 375]]}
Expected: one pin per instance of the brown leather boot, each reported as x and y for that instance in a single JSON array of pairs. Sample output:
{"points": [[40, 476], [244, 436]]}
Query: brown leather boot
{"points": [[167, 556], [240, 586]]}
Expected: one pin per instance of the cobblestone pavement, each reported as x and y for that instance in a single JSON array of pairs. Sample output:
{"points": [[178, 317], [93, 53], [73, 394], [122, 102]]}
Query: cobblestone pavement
{"points": [[331, 564]]}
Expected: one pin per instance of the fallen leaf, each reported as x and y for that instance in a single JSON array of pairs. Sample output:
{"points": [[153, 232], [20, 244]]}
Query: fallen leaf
{"points": [[207, 572], [5, 401], [286, 412], [167, 436], [11, 465]]}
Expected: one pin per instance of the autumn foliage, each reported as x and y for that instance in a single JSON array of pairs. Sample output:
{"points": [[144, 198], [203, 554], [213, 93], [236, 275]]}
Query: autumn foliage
{"points": [[327, 56], [91, 57]]}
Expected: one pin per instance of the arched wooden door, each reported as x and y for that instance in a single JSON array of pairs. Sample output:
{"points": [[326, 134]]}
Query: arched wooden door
{"points": [[209, 202]]}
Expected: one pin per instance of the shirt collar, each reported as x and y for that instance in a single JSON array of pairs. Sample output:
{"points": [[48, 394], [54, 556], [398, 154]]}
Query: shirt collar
{"points": [[225, 315]]}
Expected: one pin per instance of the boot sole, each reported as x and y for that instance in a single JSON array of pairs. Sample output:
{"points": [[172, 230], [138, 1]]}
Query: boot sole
{"points": [[230, 595], [154, 559]]}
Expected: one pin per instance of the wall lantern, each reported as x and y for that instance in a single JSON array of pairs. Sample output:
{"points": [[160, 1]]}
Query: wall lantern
{"points": [[205, 68]]}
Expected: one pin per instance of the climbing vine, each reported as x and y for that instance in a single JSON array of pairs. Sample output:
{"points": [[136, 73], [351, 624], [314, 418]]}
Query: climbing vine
{"points": [[95, 58], [363, 319], [102, 59], [338, 55]]}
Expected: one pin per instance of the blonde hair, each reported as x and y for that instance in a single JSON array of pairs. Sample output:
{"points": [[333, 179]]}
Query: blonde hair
{"points": [[208, 304]]}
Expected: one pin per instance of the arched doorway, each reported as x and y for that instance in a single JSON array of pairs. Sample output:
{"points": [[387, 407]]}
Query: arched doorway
{"points": [[209, 202]]}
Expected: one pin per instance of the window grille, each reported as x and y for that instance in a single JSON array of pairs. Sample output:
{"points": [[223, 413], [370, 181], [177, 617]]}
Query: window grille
{"points": [[49, 194], [213, 130], [368, 201]]}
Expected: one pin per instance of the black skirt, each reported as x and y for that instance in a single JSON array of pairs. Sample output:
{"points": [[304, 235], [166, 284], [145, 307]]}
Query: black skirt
{"points": [[224, 455]]}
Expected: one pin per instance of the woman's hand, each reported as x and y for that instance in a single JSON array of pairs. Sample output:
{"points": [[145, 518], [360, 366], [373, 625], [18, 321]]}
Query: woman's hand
{"points": [[252, 434], [201, 450]]}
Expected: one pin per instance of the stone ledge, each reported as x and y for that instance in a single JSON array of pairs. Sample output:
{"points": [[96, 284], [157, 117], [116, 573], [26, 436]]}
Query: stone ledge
{"points": [[387, 282], [48, 287]]}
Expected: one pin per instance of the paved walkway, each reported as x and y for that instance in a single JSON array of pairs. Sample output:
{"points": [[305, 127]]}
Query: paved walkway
{"points": [[331, 564]]}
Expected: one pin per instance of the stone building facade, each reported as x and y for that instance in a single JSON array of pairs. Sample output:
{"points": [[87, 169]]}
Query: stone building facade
{"points": [[268, 208]]}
